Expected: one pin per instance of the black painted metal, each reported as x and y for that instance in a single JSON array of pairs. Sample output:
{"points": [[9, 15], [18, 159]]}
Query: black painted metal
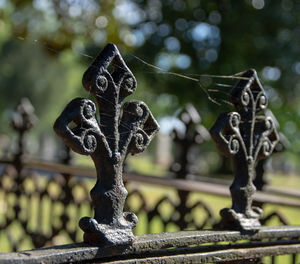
{"points": [[246, 138], [121, 130]]}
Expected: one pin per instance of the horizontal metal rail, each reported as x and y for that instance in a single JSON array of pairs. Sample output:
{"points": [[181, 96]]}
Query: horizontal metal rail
{"points": [[186, 185], [173, 246], [216, 256]]}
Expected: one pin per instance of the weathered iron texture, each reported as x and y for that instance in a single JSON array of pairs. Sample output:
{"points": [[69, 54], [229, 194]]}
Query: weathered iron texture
{"points": [[246, 138], [56, 186], [283, 143], [261, 181], [174, 247], [121, 130]]}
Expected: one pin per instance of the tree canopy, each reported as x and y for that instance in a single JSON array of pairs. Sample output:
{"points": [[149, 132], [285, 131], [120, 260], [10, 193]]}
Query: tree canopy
{"points": [[204, 40]]}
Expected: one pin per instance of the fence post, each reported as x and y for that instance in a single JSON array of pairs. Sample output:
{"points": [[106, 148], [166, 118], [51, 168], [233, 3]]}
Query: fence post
{"points": [[246, 138], [122, 129], [194, 134], [22, 120]]}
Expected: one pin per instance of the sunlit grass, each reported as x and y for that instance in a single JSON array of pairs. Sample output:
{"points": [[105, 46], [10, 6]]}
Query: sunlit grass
{"points": [[284, 180], [144, 164]]}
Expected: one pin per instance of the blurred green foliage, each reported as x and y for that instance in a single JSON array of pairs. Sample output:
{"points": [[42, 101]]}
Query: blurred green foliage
{"points": [[46, 45]]}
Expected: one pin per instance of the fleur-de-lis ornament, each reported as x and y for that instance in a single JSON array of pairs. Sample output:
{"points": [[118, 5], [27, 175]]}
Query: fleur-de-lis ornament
{"points": [[246, 137], [120, 130]]}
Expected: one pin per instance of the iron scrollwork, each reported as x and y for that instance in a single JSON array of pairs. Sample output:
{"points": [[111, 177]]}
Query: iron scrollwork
{"points": [[260, 180], [119, 131], [246, 137]]}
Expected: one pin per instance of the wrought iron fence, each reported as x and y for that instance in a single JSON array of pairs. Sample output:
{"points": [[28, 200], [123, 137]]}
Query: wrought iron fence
{"points": [[54, 196], [42, 202]]}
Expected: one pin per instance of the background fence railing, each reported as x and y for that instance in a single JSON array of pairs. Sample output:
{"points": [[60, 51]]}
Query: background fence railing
{"points": [[42, 202], [44, 206]]}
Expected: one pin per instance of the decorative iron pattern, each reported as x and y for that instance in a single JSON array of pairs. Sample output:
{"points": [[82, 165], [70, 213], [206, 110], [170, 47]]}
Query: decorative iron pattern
{"points": [[40, 208], [46, 211], [246, 138], [283, 143], [193, 134], [36, 206], [121, 130], [51, 205], [169, 213], [260, 181]]}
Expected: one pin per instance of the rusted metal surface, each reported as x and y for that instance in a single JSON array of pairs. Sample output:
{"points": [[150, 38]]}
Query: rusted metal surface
{"points": [[174, 247], [246, 137], [122, 129]]}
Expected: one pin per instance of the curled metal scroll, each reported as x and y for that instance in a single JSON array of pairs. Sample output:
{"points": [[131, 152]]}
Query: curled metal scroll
{"points": [[246, 137], [120, 130]]}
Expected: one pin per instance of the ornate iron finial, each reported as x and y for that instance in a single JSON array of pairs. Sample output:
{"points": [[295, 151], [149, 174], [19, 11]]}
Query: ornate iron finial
{"points": [[184, 140], [119, 131], [194, 133], [22, 120], [245, 137]]}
